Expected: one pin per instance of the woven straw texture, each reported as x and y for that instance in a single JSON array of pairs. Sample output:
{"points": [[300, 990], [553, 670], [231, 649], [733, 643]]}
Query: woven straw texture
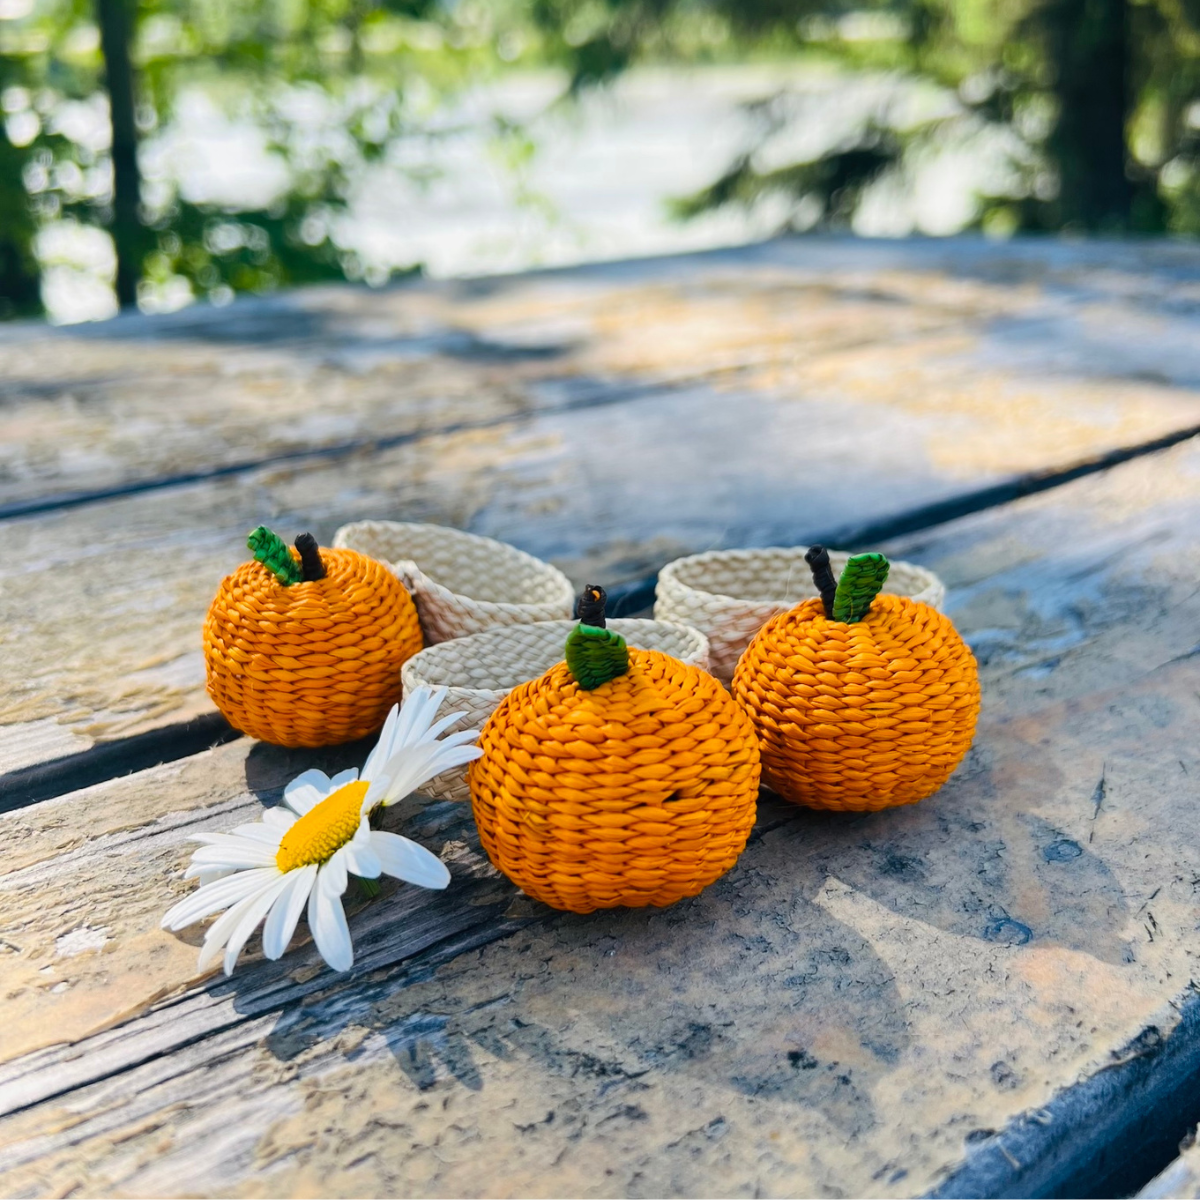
{"points": [[639, 792], [463, 583], [480, 671], [729, 595], [313, 664], [859, 716]]}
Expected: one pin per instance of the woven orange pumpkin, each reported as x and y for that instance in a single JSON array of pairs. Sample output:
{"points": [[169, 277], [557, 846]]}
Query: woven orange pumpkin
{"points": [[620, 777], [861, 701], [304, 648]]}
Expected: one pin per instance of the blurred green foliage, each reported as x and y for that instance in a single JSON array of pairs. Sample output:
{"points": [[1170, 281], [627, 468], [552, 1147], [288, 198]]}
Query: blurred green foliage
{"points": [[1100, 97], [256, 55]]}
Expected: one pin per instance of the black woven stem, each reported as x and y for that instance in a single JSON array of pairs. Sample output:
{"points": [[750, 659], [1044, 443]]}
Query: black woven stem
{"points": [[590, 606], [817, 558], [310, 558]]}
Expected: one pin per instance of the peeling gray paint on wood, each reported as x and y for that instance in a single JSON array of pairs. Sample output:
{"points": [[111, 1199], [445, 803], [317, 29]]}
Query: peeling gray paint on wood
{"points": [[810, 317], [974, 337], [764, 395], [845, 1013]]}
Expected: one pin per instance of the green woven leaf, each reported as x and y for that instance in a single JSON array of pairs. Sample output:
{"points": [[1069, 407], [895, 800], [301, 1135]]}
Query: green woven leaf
{"points": [[860, 583], [272, 551], [594, 656]]}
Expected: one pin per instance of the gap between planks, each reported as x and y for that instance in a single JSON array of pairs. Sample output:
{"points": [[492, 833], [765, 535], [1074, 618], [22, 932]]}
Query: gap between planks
{"points": [[612, 394], [749, 309]]}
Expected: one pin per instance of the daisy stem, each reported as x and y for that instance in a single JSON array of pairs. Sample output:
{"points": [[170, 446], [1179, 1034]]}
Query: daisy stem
{"points": [[370, 888]]}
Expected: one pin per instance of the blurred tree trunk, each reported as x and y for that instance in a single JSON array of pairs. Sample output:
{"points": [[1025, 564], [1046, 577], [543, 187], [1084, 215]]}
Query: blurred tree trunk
{"points": [[1089, 50], [19, 290], [115, 18]]}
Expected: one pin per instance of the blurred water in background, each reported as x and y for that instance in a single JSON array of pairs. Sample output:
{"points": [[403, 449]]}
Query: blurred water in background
{"points": [[583, 180]]}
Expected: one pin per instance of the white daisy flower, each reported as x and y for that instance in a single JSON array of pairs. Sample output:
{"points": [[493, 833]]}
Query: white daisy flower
{"points": [[304, 850]]}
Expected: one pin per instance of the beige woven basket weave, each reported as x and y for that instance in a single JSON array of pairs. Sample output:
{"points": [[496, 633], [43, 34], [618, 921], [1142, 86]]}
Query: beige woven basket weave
{"points": [[480, 671], [462, 583], [729, 595]]}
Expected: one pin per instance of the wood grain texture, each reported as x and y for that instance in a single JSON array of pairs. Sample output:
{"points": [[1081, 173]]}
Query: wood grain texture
{"points": [[849, 1011], [85, 877], [1097, 339], [626, 414], [108, 852]]}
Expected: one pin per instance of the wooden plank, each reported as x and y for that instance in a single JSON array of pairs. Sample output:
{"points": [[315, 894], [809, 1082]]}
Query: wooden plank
{"points": [[968, 331], [80, 898], [842, 384], [860, 1007], [84, 407]]}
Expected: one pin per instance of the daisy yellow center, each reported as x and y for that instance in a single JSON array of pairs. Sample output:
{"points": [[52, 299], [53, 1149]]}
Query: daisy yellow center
{"points": [[323, 830]]}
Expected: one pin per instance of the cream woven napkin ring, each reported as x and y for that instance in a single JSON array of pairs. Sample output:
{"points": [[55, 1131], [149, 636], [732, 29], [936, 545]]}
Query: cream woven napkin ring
{"points": [[462, 583], [729, 595]]}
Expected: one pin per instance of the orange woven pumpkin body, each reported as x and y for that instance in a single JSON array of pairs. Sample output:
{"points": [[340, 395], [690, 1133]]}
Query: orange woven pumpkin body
{"points": [[315, 663], [640, 791], [863, 715]]}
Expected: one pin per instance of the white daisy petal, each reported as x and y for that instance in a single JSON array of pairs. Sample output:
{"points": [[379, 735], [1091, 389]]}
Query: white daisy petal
{"points": [[362, 860], [342, 778], [416, 765], [260, 832], [376, 791], [416, 714], [379, 754], [334, 872], [327, 921], [456, 756], [463, 737], [279, 818], [281, 920], [212, 875], [201, 871], [407, 769], [436, 730], [242, 854], [223, 927], [306, 791], [213, 945], [411, 732], [406, 860], [215, 896], [231, 838], [256, 909]]}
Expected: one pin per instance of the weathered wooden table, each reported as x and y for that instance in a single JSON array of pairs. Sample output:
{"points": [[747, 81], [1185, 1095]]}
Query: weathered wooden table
{"points": [[987, 994]]}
